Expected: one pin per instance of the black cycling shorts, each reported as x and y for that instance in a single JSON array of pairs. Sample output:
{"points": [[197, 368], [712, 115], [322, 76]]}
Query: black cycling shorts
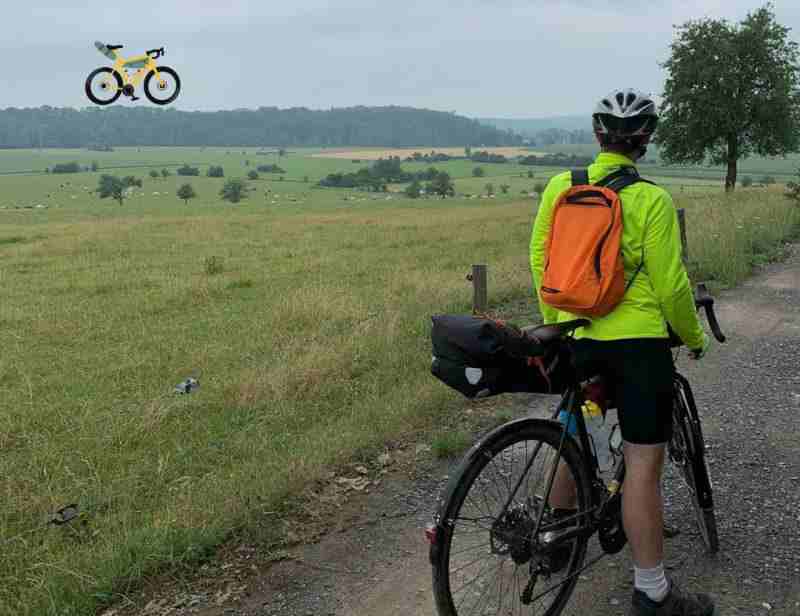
{"points": [[639, 373]]}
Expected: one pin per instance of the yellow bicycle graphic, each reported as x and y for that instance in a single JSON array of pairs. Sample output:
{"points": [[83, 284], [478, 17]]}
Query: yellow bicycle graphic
{"points": [[105, 84]]}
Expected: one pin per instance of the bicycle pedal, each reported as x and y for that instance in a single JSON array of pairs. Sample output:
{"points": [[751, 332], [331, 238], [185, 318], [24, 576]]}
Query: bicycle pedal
{"points": [[134, 98]]}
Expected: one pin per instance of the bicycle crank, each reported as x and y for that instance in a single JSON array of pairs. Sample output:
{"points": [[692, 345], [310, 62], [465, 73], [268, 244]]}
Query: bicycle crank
{"points": [[527, 593]]}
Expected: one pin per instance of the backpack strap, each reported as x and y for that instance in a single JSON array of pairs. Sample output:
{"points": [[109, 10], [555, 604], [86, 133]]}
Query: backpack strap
{"points": [[580, 177], [636, 273], [622, 178], [617, 181]]}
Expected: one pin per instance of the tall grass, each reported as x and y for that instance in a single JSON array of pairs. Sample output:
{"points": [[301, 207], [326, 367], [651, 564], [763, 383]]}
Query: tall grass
{"points": [[730, 234], [322, 353]]}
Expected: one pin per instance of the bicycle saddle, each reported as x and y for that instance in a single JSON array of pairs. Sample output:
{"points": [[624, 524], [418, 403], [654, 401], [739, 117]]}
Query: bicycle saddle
{"points": [[113, 47], [547, 334]]}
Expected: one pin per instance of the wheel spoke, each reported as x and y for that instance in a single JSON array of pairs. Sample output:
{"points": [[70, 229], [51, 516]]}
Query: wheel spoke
{"points": [[491, 551]]}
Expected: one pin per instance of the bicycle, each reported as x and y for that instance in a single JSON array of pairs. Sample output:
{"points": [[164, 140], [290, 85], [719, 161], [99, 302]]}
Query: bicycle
{"points": [[496, 546], [105, 84]]}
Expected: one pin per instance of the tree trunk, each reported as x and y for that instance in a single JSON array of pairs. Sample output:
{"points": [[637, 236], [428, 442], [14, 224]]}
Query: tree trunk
{"points": [[733, 159]]}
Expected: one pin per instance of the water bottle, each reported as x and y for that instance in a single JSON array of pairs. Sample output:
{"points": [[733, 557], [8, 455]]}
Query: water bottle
{"points": [[599, 434]]}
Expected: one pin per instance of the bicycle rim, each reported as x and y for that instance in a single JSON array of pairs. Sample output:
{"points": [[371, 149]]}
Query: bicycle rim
{"points": [[103, 86], [164, 88], [487, 561]]}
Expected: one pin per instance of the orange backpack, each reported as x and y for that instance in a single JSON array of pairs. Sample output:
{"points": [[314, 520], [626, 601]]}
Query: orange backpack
{"points": [[584, 273]]}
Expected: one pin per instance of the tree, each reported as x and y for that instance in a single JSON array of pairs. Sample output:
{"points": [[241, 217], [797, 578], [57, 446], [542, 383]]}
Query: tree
{"points": [[489, 189], [281, 152], [72, 167], [793, 190], [414, 189], [130, 180], [95, 166], [186, 192], [252, 174], [731, 91], [287, 128], [468, 151], [270, 169], [234, 190], [187, 170], [478, 172], [747, 181], [165, 173], [154, 174], [441, 185], [216, 171], [504, 188], [767, 180], [111, 186], [530, 173]]}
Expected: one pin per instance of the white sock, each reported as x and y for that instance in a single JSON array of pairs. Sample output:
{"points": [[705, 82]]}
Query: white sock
{"points": [[652, 582]]}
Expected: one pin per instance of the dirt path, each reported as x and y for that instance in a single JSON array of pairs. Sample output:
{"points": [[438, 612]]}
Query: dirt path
{"points": [[748, 391]]}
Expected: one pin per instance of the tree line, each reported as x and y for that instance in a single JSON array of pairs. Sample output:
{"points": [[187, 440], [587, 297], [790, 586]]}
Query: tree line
{"points": [[62, 127]]}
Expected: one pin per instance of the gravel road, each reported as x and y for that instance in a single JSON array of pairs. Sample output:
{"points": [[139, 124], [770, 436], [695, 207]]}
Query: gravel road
{"points": [[375, 562]]}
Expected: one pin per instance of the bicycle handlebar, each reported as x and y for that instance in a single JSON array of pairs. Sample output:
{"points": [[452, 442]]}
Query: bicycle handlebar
{"points": [[158, 52], [703, 299]]}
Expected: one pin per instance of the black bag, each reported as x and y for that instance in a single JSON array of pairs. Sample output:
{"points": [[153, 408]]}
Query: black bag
{"points": [[480, 357]]}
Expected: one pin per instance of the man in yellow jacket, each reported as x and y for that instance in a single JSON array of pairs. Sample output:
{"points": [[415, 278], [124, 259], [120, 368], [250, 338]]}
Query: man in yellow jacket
{"points": [[630, 347]]}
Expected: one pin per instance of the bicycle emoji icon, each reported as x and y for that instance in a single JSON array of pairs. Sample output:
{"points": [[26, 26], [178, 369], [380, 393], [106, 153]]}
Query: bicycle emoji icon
{"points": [[105, 84]]}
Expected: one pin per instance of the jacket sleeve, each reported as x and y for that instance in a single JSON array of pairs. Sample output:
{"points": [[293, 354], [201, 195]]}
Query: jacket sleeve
{"points": [[541, 229], [662, 259]]}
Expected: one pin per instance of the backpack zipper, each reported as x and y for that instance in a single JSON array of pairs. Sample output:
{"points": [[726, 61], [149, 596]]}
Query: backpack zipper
{"points": [[600, 248]]}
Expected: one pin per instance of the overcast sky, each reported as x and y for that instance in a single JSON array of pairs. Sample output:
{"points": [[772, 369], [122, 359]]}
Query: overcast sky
{"points": [[504, 58]]}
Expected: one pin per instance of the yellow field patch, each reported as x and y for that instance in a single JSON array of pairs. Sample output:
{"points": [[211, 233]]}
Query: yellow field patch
{"points": [[375, 154]]}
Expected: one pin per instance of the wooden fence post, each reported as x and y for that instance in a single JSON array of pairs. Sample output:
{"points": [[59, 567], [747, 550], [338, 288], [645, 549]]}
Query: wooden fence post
{"points": [[682, 224], [479, 289]]}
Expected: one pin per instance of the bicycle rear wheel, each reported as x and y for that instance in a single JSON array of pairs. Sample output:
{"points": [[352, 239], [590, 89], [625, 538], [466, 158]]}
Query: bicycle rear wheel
{"points": [[687, 451], [485, 560]]}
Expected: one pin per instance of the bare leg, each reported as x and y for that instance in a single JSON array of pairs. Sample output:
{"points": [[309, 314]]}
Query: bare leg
{"points": [[642, 506], [564, 493]]}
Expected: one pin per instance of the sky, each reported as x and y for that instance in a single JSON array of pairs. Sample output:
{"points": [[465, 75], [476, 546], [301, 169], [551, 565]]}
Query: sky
{"points": [[479, 58]]}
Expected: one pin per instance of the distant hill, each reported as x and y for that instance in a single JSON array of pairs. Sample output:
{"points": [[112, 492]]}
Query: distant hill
{"points": [[53, 127], [530, 126]]}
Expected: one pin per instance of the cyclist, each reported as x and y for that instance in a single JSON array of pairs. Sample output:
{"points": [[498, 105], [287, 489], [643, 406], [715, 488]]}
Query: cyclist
{"points": [[629, 346]]}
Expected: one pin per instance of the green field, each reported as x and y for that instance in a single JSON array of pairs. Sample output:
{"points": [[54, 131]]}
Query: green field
{"points": [[304, 312]]}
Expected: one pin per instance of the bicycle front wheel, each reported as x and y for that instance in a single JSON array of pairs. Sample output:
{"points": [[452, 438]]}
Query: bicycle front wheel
{"points": [[687, 451], [487, 558], [163, 89]]}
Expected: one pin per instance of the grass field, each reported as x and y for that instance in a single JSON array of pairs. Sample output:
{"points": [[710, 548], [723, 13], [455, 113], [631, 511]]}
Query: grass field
{"points": [[305, 317]]}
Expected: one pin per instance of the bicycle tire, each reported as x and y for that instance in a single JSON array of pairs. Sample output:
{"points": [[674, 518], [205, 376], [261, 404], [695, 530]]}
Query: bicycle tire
{"points": [[162, 101], [458, 491], [687, 449], [88, 86]]}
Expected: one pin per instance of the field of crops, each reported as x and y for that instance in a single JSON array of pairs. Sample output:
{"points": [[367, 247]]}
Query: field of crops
{"points": [[303, 312]]}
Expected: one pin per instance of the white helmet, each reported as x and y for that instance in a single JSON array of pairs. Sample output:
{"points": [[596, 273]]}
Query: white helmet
{"points": [[624, 114]]}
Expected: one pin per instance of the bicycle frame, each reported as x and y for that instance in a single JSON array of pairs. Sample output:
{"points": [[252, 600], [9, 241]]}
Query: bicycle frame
{"points": [[140, 73]]}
